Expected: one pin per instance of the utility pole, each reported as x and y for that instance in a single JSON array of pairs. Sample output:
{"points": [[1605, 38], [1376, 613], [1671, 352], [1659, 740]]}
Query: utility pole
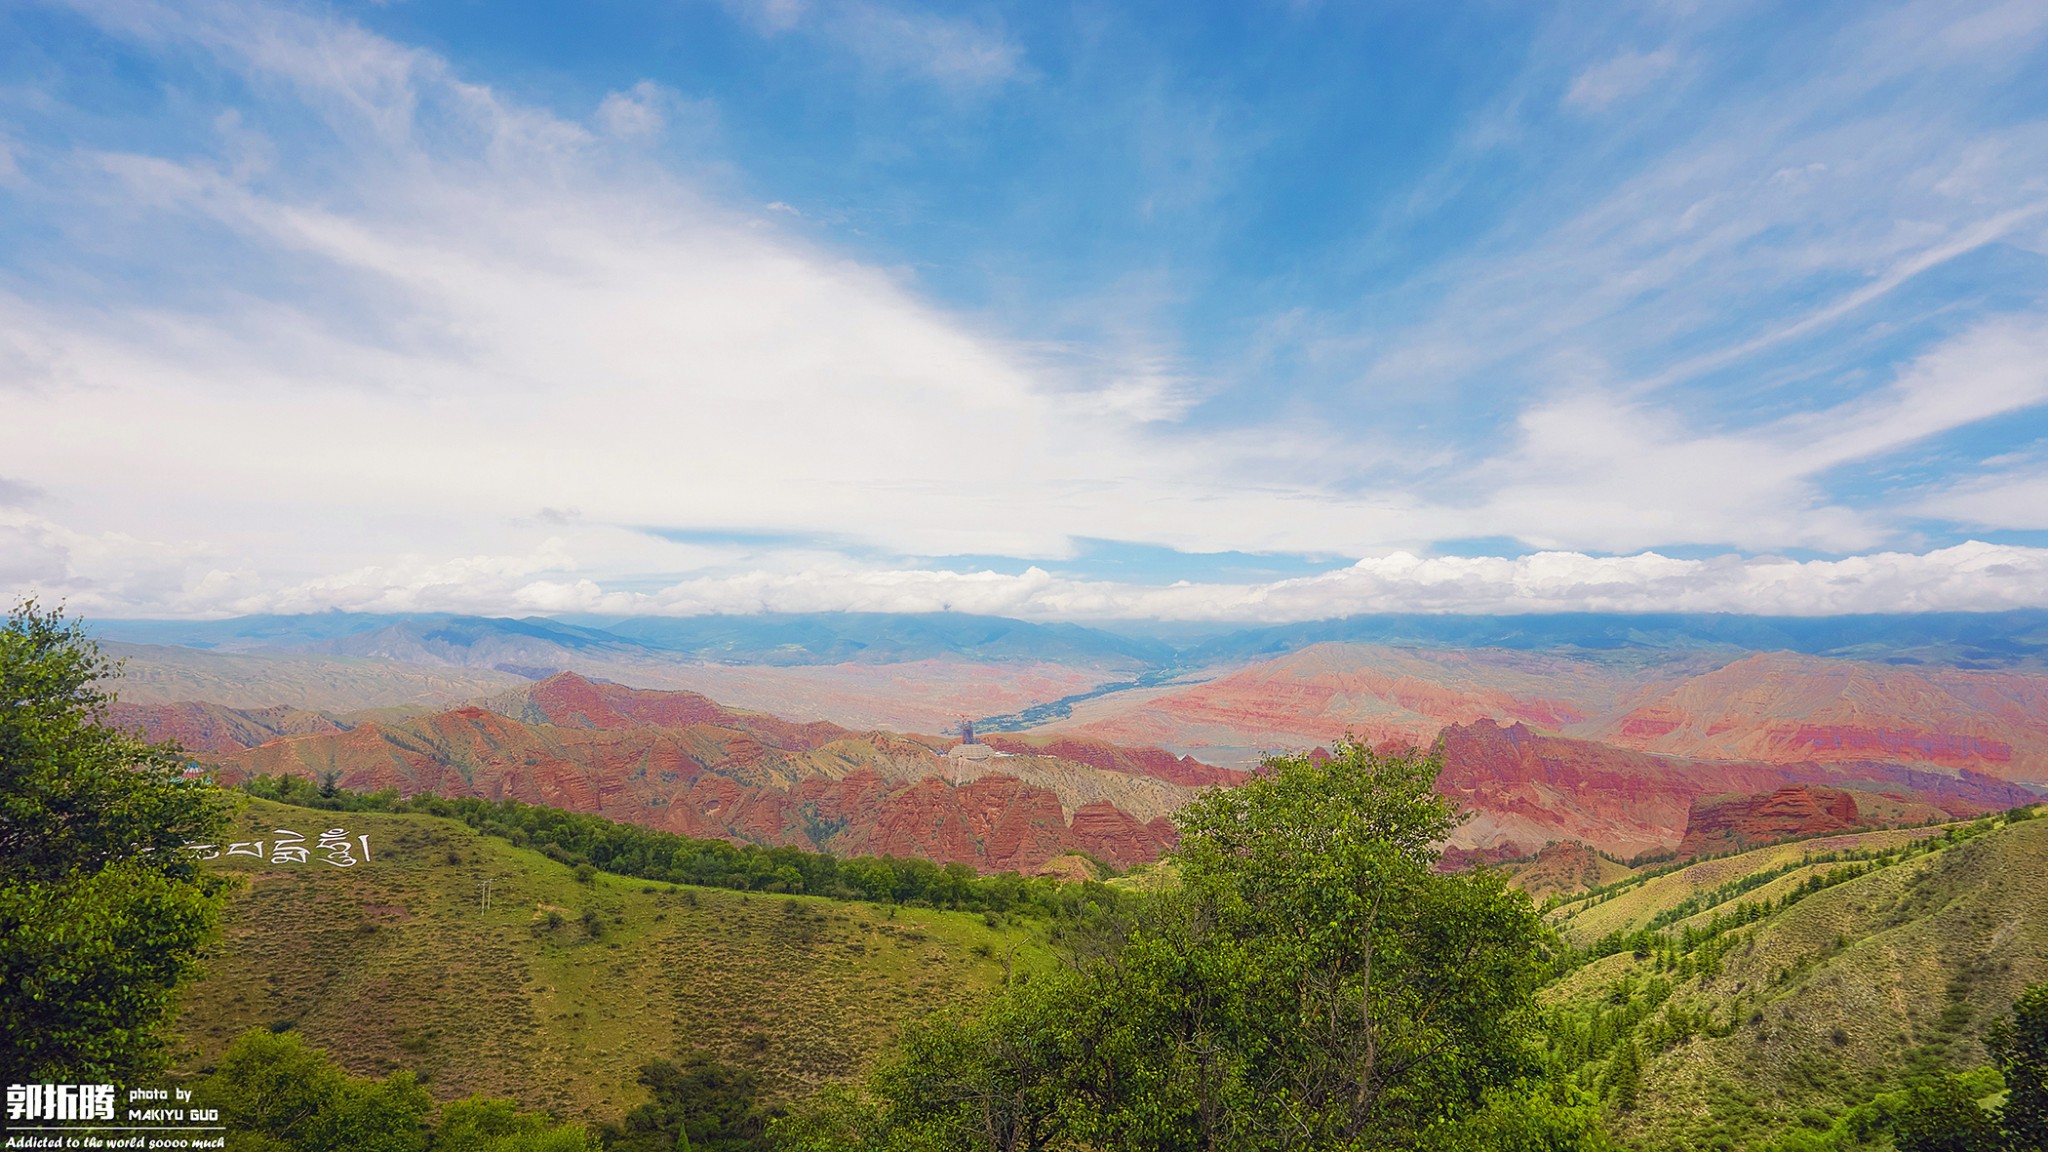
{"points": [[483, 897]]}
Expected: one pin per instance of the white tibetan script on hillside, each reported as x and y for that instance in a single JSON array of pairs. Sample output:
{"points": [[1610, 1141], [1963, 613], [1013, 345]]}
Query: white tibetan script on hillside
{"points": [[288, 847]]}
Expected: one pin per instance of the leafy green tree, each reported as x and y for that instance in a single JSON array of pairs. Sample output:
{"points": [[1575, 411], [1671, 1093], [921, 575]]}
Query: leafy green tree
{"points": [[1314, 982], [699, 1103], [483, 1125], [1560, 1119], [102, 915], [1944, 1117], [1348, 991], [277, 1094], [2019, 1043]]}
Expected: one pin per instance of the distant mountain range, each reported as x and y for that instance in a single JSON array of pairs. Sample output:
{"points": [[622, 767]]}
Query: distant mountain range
{"points": [[1606, 729], [1780, 707], [1950, 639]]}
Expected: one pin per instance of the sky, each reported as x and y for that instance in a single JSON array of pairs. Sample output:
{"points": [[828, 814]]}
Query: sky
{"points": [[1252, 311]]}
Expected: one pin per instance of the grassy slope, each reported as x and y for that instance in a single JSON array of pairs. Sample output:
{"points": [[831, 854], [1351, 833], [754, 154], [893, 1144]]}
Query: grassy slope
{"points": [[1544, 877], [1836, 995], [1598, 913], [392, 964]]}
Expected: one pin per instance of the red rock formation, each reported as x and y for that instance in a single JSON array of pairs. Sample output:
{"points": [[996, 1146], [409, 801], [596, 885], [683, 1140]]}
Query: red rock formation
{"points": [[1377, 693], [1737, 823], [1567, 866], [202, 727], [1107, 833], [1154, 762], [1773, 708], [1787, 708], [716, 772], [1527, 788]]}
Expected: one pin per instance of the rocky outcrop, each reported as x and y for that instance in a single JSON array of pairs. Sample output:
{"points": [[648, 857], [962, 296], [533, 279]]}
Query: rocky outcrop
{"points": [[1773, 708], [1109, 833], [1136, 761], [1526, 788], [1376, 693], [1737, 823]]}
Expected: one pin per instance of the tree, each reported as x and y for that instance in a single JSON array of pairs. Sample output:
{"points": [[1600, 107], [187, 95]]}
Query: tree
{"points": [[483, 1125], [102, 913], [1943, 1117], [1624, 1078], [277, 1094], [699, 1104], [1314, 982], [2019, 1043]]}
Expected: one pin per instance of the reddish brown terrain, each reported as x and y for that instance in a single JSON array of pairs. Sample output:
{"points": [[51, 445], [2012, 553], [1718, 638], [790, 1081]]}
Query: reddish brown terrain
{"points": [[1378, 694], [1737, 823], [1779, 708], [1527, 788], [1116, 758], [202, 727], [684, 763], [1612, 750], [1785, 708]]}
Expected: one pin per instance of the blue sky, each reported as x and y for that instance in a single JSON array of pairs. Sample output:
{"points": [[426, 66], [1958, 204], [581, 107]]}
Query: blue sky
{"points": [[1261, 310]]}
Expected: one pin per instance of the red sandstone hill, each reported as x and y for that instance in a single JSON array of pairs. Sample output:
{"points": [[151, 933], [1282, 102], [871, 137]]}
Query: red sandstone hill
{"points": [[1527, 788], [684, 763], [1377, 693], [202, 727], [1116, 758], [689, 763], [1737, 823], [1774, 708], [1785, 708]]}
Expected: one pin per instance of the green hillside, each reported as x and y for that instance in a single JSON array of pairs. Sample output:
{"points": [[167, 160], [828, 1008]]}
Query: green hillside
{"points": [[560, 990], [1759, 994], [1781, 986]]}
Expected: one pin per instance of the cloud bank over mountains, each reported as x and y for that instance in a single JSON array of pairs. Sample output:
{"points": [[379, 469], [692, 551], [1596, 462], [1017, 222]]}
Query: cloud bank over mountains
{"points": [[316, 318]]}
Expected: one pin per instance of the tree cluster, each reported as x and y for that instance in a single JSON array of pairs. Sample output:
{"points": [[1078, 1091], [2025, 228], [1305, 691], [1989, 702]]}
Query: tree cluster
{"points": [[275, 1093], [101, 914], [1314, 983], [651, 854]]}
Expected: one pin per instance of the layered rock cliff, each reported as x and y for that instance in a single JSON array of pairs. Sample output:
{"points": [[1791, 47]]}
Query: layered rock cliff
{"points": [[1736, 823]]}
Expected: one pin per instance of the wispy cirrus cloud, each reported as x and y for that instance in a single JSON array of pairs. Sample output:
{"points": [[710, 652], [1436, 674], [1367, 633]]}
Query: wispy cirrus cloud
{"points": [[333, 340], [1628, 74], [899, 40]]}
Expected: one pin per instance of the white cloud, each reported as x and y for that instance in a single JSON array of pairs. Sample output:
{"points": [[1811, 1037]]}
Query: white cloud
{"points": [[1968, 577], [1629, 74], [488, 310], [636, 112], [2014, 499], [889, 39], [951, 51], [1594, 468]]}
